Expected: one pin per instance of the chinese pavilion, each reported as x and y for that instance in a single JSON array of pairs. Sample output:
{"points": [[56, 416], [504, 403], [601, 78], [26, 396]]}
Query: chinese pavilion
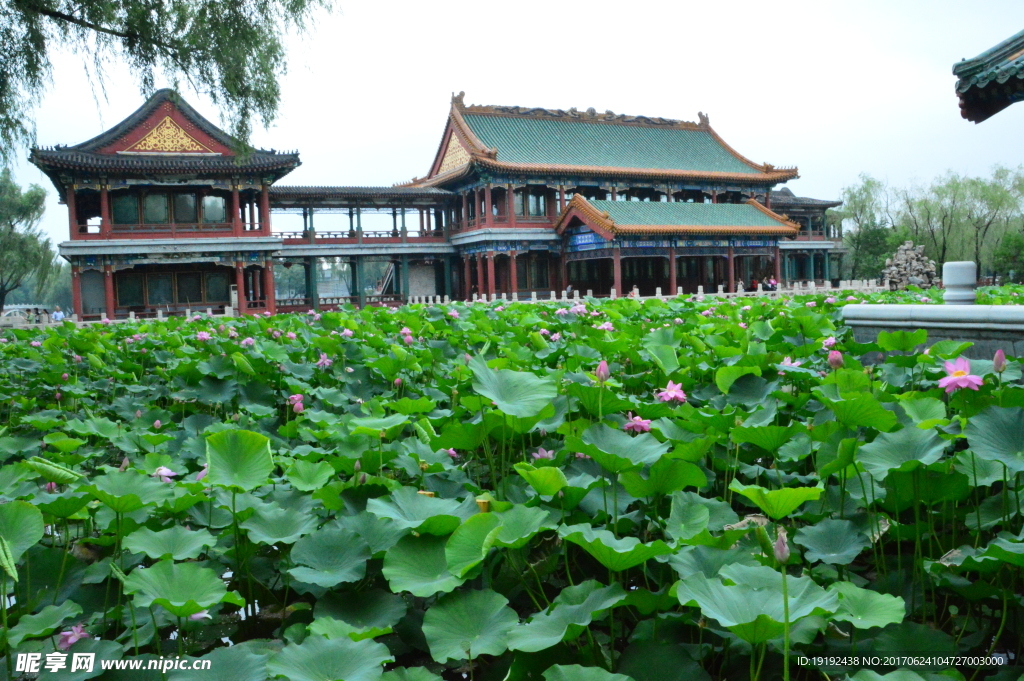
{"points": [[166, 214]]}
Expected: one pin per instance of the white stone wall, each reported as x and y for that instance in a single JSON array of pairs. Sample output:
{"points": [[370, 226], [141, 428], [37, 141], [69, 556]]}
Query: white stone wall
{"points": [[422, 281]]}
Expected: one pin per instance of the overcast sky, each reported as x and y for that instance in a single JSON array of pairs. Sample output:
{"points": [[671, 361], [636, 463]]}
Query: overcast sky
{"points": [[837, 89]]}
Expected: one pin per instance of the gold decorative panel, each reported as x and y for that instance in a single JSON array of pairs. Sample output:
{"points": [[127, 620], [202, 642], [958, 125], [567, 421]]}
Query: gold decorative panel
{"points": [[454, 156], [169, 137]]}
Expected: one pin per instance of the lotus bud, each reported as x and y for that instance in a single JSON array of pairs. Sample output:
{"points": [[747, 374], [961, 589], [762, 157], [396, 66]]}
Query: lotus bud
{"points": [[999, 361], [835, 359], [138, 413], [398, 382], [157, 424], [781, 547], [57, 396], [51, 487], [125, 462], [64, 377], [602, 373], [362, 479], [358, 467]]}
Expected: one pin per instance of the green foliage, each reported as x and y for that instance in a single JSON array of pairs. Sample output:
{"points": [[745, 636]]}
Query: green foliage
{"points": [[495, 518], [25, 253], [232, 51]]}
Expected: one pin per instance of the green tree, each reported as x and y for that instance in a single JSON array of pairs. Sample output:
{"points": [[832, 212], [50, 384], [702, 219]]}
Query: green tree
{"points": [[230, 50], [863, 222], [24, 251], [1008, 257]]}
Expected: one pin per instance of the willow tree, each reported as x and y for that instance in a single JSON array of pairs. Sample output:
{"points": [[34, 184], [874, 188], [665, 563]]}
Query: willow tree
{"points": [[25, 253], [229, 50]]}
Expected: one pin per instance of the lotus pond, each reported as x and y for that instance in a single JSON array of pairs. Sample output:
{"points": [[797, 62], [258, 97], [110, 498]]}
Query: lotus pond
{"points": [[670, 490]]}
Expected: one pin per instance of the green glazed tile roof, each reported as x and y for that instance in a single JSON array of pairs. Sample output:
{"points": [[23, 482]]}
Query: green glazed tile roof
{"points": [[645, 213], [999, 64], [557, 142]]}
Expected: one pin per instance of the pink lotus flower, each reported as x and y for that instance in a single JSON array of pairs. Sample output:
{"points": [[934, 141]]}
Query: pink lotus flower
{"points": [[201, 615], [745, 308], [452, 453], [499, 308], [165, 474], [556, 337], [637, 424], [291, 335], [829, 342], [405, 331], [296, 398], [57, 396], [157, 424], [398, 382], [203, 336], [781, 548], [324, 361], [72, 636], [743, 325], [35, 344], [602, 373], [78, 358], [543, 454], [349, 370], [959, 376], [786, 361], [811, 303], [275, 333], [607, 326], [708, 312], [852, 299], [51, 487], [266, 313], [673, 392], [247, 342], [298, 407], [580, 455], [316, 318], [835, 359], [409, 340], [830, 300], [347, 333], [677, 320], [202, 473], [999, 362], [544, 332], [65, 377], [578, 308], [562, 311]]}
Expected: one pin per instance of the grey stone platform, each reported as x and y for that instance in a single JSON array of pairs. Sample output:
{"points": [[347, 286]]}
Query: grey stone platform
{"points": [[989, 327]]}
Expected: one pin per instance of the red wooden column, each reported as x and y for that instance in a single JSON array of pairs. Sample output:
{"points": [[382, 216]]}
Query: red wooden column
{"points": [[69, 198], [479, 274], [510, 205], [714, 196], [778, 265], [467, 279], [268, 286], [464, 222], [236, 212], [561, 198], [768, 198], [513, 273], [490, 273], [265, 213], [105, 227], [76, 291], [617, 271], [240, 285], [108, 290], [488, 206], [672, 271], [732, 272]]}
